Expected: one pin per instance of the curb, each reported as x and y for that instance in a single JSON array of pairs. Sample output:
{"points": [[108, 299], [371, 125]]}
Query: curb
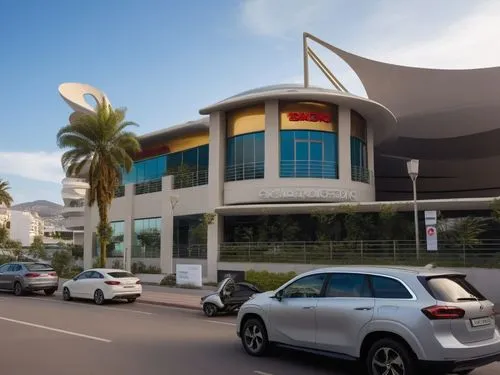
{"points": [[168, 304]]}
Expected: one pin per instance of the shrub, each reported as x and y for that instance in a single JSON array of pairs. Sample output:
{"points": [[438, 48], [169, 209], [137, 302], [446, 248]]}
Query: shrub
{"points": [[266, 280], [169, 280], [140, 267], [62, 261], [6, 259]]}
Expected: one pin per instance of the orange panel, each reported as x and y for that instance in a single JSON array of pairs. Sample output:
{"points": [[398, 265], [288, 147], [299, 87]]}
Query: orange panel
{"points": [[187, 142], [309, 116], [246, 120]]}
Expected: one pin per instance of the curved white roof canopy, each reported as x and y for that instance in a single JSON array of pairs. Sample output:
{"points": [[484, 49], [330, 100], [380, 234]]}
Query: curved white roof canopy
{"points": [[74, 95], [377, 115]]}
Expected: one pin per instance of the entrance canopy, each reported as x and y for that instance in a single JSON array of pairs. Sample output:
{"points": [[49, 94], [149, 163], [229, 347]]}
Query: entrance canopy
{"points": [[465, 204]]}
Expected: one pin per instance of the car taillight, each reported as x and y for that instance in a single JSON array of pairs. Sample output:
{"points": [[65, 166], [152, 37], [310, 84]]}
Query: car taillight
{"points": [[443, 312], [112, 282], [32, 274], [52, 273], [138, 282]]}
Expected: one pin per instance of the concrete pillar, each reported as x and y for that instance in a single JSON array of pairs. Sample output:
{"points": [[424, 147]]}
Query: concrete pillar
{"points": [[272, 142], [217, 157], [89, 230], [128, 225], [370, 149], [167, 234], [344, 137]]}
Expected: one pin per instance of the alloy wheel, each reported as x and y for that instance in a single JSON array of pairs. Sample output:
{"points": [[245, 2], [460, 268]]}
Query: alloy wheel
{"points": [[210, 309], [387, 361], [254, 338], [18, 289], [99, 297], [66, 294]]}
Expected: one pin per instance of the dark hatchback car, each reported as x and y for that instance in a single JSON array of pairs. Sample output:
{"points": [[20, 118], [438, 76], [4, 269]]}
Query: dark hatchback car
{"points": [[21, 277]]}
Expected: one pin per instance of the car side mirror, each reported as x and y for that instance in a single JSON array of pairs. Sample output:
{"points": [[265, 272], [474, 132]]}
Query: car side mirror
{"points": [[74, 278], [278, 295]]}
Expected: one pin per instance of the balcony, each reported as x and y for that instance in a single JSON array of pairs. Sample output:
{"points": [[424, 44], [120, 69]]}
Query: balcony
{"points": [[190, 179], [120, 191], [74, 222], [247, 171], [308, 169], [361, 174], [147, 187]]}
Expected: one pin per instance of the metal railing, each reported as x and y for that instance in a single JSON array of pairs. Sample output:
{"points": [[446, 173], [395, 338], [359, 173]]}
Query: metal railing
{"points": [[360, 174], [308, 169], [148, 187], [145, 252], [194, 251], [120, 191], [483, 254], [247, 171], [190, 179]]}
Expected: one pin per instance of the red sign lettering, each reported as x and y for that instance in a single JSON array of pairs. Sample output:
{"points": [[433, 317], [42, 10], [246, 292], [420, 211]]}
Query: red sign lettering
{"points": [[309, 116], [153, 151]]}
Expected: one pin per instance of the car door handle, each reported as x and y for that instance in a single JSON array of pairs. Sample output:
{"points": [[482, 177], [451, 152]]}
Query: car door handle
{"points": [[309, 307], [363, 308]]}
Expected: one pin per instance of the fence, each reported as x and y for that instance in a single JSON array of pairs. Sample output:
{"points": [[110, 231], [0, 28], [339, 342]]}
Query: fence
{"points": [[482, 254], [247, 171], [147, 187], [195, 251], [308, 168], [190, 179]]}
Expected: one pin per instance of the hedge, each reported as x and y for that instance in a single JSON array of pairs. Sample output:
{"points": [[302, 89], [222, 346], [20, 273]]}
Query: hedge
{"points": [[266, 280]]}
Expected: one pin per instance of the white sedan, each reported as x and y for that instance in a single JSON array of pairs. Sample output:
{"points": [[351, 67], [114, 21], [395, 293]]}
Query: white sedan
{"points": [[101, 284]]}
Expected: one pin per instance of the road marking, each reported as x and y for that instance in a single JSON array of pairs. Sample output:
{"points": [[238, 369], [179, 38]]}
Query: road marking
{"points": [[262, 373], [217, 322], [83, 304], [55, 330]]}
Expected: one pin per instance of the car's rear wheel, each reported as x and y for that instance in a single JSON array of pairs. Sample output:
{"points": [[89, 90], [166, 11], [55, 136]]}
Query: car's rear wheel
{"points": [[131, 300], [18, 289], [66, 294], [99, 297], [388, 356], [210, 309], [254, 337], [49, 292]]}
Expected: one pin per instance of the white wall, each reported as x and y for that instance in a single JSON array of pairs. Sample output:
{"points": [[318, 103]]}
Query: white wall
{"points": [[21, 227]]}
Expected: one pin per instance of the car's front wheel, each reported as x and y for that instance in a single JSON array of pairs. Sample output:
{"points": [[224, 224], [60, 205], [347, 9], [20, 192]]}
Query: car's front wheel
{"points": [[49, 292], [254, 337], [388, 356], [210, 309], [66, 294], [99, 297]]}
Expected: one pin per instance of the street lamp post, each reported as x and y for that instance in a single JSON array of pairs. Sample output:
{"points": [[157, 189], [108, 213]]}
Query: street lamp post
{"points": [[174, 199], [412, 166]]}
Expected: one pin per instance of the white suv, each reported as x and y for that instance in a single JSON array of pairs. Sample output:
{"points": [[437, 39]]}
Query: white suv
{"points": [[395, 320]]}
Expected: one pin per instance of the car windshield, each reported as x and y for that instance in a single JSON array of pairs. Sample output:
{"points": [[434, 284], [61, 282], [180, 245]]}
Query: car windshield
{"points": [[120, 274], [39, 267]]}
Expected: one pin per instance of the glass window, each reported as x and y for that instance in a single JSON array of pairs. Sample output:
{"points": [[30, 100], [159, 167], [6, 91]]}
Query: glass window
{"points": [[203, 157], [116, 245], [308, 154], [245, 157], [190, 158], [39, 267], [84, 275], [120, 274], [306, 287], [147, 238], [4, 268], [348, 285], [384, 287], [453, 289]]}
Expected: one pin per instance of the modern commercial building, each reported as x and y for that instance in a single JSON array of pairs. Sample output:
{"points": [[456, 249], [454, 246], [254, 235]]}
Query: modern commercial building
{"points": [[298, 150], [25, 226]]}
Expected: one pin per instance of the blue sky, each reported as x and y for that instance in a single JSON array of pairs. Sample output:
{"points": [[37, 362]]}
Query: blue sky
{"points": [[164, 60]]}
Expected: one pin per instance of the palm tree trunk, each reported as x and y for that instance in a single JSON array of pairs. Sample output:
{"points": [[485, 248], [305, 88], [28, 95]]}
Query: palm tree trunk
{"points": [[103, 240]]}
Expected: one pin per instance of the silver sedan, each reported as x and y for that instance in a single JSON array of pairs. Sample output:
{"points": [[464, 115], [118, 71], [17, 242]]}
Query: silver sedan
{"points": [[21, 277]]}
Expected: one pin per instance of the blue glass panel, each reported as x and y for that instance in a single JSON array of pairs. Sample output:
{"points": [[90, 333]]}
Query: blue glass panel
{"points": [[140, 171], [190, 158], [301, 134], [230, 157], [259, 147], [317, 136], [238, 151], [203, 157], [174, 161], [301, 159], [316, 161]]}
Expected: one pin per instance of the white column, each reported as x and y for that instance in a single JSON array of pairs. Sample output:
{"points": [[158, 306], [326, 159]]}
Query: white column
{"points": [[89, 230], [344, 138], [370, 149], [167, 233], [272, 142], [217, 157], [128, 225]]}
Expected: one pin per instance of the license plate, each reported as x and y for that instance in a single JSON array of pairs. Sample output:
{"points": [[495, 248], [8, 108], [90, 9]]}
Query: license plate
{"points": [[128, 286], [478, 322]]}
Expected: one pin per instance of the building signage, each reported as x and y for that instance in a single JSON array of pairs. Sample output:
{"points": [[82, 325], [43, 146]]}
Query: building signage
{"points": [[309, 116], [432, 242], [430, 217], [188, 274], [304, 194]]}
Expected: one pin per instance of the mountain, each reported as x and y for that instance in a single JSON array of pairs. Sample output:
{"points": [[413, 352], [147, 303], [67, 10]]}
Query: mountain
{"points": [[44, 208]]}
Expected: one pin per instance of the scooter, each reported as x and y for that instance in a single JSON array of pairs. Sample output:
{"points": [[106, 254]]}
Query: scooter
{"points": [[228, 298]]}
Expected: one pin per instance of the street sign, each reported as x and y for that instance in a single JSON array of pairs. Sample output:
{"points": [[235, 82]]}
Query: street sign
{"points": [[432, 242]]}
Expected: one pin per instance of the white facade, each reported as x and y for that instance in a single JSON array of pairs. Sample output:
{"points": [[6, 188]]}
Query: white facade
{"points": [[25, 226]]}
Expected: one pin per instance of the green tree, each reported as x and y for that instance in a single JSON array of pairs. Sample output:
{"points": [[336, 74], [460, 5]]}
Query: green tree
{"points": [[325, 230], [467, 230], [5, 197], [37, 248], [4, 236], [15, 247], [495, 210], [184, 175], [62, 262], [98, 142]]}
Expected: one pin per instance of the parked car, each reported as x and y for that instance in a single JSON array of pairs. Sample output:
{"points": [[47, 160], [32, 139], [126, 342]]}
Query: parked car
{"points": [[228, 297], [22, 277], [401, 321], [101, 285]]}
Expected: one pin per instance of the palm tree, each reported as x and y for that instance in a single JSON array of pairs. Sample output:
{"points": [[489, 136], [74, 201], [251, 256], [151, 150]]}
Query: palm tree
{"points": [[98, 142], [5, 197]]}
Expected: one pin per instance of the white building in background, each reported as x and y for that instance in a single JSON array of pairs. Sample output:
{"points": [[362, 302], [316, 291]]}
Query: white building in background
{"points": [[4, 216], [25, 226]]}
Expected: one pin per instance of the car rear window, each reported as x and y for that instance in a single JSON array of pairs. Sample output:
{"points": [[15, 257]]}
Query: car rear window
{"points": [[385, 287], [120, 274], [452, 289], [39, 267]]}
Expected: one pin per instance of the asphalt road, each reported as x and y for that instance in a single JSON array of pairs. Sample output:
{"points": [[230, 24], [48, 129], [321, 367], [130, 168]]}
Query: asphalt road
{"points": [[49, 336]]}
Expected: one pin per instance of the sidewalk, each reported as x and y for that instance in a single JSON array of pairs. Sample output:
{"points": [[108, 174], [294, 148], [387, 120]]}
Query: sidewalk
{"points": [[171, 299]]}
